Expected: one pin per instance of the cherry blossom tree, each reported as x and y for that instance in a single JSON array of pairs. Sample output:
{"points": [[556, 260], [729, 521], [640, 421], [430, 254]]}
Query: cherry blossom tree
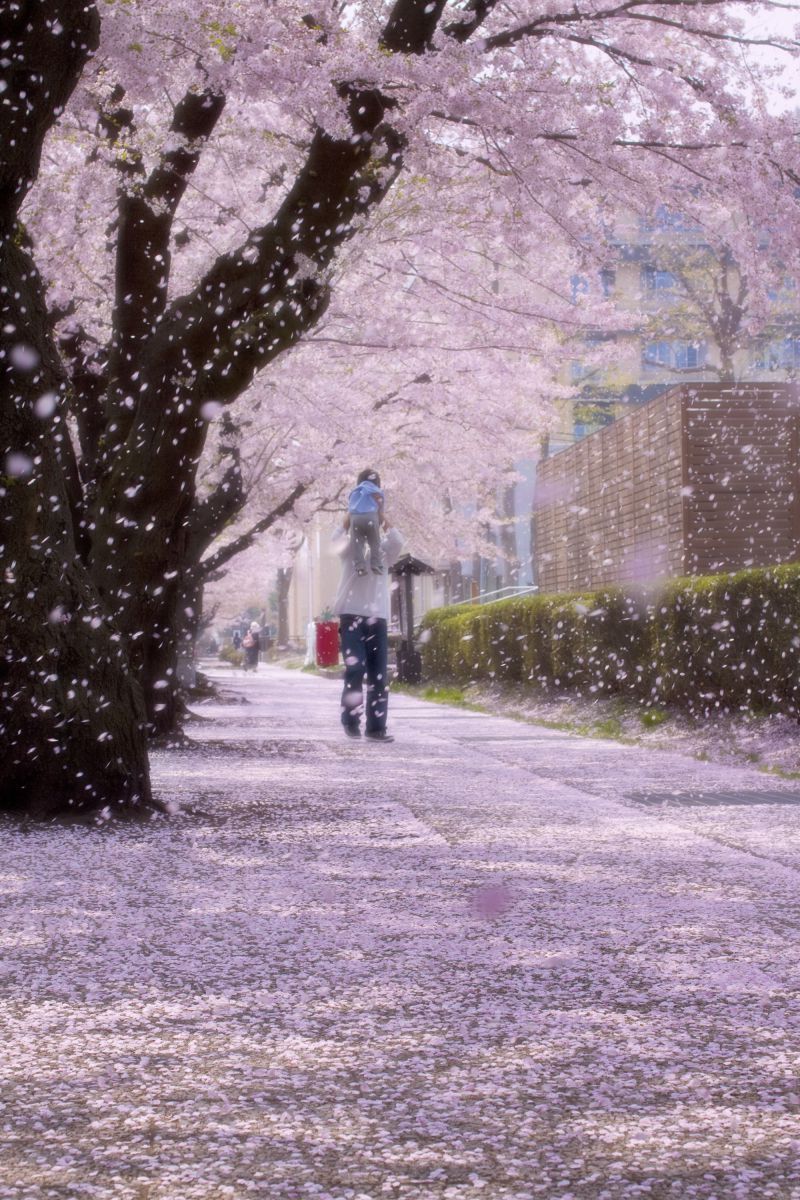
{"points": [[442, 401], [711, 300], [213, 173]]}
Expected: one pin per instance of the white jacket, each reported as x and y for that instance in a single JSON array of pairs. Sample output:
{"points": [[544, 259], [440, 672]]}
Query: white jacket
{"points": [[365, 595]]}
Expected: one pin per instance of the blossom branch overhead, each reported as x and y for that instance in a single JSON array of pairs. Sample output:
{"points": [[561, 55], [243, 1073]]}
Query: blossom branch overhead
{"points": [[260, 161]]}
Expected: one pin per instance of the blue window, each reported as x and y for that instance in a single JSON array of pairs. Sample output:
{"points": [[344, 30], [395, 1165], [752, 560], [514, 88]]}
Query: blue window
{"points": [[688, 355], [608, 280], [675, 356], [578, 286], [657, 354], [656, 280], [779, 356]]}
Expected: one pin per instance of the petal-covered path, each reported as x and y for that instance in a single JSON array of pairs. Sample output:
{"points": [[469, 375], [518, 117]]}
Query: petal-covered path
{"points": [[486, 961]]}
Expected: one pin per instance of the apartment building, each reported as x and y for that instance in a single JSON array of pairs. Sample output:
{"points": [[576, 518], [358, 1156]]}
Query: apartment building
{"points": [[682, 319]]}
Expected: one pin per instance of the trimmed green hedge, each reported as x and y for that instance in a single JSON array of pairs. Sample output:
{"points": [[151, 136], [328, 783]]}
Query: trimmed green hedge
{"points": [[717, 642]]}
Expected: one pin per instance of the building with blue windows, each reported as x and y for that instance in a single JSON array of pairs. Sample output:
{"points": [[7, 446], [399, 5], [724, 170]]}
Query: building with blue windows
{"points": [[680, 315]]}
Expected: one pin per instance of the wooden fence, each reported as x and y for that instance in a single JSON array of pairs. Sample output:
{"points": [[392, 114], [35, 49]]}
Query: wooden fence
{"points": [[705, 478]]}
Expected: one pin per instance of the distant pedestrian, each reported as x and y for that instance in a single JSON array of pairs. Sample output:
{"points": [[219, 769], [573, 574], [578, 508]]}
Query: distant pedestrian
{"points": [[251, 644], [364, 519], [362, 605], [237, 640]]}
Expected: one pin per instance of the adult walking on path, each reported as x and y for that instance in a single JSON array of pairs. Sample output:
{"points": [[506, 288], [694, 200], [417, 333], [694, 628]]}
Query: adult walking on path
{"points": [[251, 645], [362, 605]]}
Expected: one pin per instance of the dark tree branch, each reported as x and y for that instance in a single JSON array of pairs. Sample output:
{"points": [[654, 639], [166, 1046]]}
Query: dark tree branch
{"points": [[260, 300], [475, 13], [411, 26], [210, 516], [33, 70], [222, 556], [86, 363], [146, 210]]}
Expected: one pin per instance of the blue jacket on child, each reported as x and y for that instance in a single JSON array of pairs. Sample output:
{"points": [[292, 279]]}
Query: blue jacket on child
{"points": [[364, 498]]}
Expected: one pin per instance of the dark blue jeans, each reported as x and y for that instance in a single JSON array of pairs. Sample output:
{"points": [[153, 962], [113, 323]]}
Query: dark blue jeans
{"points": [[365, 650]]}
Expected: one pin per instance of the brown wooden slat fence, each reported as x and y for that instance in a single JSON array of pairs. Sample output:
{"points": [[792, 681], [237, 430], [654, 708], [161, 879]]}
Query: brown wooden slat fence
{"points": [[705, 478]]}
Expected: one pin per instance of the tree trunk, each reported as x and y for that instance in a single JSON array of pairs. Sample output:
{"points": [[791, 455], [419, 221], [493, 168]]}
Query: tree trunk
{"points": [[72, 721], [140, 554], [171, 628], [153, 629], [73, 718], [159, 676], [284, 582]]}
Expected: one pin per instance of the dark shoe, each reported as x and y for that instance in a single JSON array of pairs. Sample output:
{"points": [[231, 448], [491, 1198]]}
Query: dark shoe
{"points": [[352, 731], [378, 735]]}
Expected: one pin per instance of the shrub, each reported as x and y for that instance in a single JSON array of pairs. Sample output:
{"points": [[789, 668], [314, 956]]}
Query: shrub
{"points": [[230, 654], [708, 642]]}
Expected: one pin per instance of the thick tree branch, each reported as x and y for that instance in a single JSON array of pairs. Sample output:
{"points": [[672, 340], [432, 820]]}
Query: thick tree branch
{"points": [[255, 303], [33, 70], [225, 553], [411, 26], [210, 516], [86, 363], [146, 210], [475, 13], [259, 300]]}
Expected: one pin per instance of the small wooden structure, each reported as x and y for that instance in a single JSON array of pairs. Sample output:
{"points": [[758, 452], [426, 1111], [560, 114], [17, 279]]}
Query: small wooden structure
{"points": [[409, 660], [704, 478]]}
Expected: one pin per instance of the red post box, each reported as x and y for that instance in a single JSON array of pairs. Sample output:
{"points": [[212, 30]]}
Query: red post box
{"points": [[327, 643]]}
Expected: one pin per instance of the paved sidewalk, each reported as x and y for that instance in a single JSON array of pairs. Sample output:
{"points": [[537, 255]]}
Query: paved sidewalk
{"points": [[468, 964]]}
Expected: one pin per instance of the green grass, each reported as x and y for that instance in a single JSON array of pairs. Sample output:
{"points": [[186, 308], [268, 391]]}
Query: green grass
{"points": [[651, 718], [781, 772], [445, 695], [230, 655], [454, 696], [609, 727]]}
